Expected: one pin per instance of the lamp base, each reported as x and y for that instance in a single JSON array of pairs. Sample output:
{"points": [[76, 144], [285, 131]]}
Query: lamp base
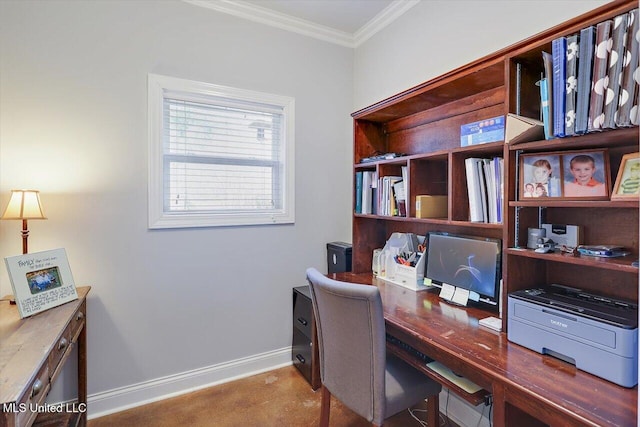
{"points": [[10, 298]]}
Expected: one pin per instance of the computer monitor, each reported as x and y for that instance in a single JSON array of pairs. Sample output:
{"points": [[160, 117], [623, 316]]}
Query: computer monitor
{"points": [[468, 262]]}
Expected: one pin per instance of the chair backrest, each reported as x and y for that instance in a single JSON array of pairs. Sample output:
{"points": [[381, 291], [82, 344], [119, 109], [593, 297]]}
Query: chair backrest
{"points": [[351, 337]]}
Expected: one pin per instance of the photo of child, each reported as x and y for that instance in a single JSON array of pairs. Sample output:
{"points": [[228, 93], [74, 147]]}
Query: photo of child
{"points": [[540, 176], [628, 180], [631, 184], [584, 175], [528, 190]]}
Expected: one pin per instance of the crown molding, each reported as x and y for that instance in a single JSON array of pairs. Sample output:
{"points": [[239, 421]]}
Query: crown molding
{"points": [[307, 28], [382, 19], [277, 19]]}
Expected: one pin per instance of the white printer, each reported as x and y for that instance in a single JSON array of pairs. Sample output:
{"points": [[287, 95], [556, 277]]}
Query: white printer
{"points": [[597, 334]]}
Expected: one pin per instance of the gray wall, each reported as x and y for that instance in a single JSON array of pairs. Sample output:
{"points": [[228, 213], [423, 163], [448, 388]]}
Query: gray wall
{"points": [[73, 124], [437, 36]]}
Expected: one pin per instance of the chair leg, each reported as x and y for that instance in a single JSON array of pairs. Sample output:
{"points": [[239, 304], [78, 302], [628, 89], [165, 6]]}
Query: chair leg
{"points": [[433, 411], [325, 407]]}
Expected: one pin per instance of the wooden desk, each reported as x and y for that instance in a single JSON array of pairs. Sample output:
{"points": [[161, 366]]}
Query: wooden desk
{"points": [[32, 354], [529, 389]]}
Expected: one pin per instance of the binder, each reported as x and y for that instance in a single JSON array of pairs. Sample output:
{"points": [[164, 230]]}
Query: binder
{"points": [[547, 60], [559, 54], [628, 85], [473, 190], [600, 78], [571, 85], [585, 71], [546, 108], [358, 207], [616, 57]]}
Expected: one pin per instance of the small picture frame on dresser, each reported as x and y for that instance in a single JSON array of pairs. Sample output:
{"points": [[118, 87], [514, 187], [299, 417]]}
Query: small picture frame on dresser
{"points": [[40, 281], [627, 186]]}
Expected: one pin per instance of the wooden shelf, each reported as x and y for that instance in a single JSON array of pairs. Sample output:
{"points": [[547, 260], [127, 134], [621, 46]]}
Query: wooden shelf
{"points": [[480, 150], [461, 83], [550, 203], [607, 138], [473, 398], [622, 264], [437, 221]]}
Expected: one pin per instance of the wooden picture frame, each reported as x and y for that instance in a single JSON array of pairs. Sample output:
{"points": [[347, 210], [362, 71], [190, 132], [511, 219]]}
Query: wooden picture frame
{"points": [[565, 175], [585, 175], [40, 281], [627, 186], [540, 176]]}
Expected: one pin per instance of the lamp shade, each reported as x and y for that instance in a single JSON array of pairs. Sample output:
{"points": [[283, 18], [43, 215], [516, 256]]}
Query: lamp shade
{"points": [[24, 204]]}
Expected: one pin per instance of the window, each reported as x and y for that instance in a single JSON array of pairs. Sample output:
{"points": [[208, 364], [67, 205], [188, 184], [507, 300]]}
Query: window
{"points": [[218, 155]]}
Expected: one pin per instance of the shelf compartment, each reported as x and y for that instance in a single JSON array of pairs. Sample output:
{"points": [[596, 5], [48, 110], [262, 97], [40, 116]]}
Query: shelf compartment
{"points": [[441, 221], [459, 190], [460, 83], [526, 269], [550, 203], [607, 225], [622, 264], [475, 399], [606, 138]]}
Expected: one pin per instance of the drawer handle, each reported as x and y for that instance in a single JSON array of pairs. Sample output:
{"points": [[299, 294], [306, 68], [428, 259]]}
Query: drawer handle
{"points": [[303, 321], [300, 358], [80, 315], [37, 388], [63, 344]]}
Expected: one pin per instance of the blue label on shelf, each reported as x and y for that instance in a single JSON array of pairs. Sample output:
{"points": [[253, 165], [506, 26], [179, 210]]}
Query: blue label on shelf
{"points": [[483, 131]]}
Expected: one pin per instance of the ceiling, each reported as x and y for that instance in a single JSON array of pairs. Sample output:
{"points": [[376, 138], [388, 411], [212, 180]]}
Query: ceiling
{"points": [[342, 15], [344, 22]]}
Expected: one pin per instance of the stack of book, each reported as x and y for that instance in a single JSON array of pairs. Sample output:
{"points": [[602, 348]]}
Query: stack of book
{"points": [[588, 82], [366, 191], [485, 189], [385, 195]]}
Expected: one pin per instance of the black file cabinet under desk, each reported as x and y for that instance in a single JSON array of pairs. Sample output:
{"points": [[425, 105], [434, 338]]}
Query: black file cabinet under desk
{"points": [[304, 348]]}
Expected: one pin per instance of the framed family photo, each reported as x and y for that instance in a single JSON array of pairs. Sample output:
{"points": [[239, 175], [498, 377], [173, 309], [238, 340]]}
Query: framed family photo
{"points": [[40, 281], [627, 186], [566, 175], [540, 176]]}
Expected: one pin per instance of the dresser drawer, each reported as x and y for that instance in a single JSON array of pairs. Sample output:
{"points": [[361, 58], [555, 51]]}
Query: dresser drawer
{"points": [[63, 347], [302, 313], [301, 353], [78, 321], [33, 396]]}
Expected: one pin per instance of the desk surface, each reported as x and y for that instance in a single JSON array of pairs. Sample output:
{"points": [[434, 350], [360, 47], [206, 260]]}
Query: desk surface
{"points": [[553, 391], [25, 344]]}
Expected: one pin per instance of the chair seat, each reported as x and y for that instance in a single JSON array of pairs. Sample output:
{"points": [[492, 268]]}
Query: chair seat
{"points": [[405, 386]]}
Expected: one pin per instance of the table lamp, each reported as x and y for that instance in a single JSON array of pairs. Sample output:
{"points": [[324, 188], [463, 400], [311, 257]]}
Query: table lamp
{"points": [[24, 205]]}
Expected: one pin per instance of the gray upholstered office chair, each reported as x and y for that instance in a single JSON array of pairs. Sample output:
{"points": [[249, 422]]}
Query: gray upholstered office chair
{"points": [[354, 364]]}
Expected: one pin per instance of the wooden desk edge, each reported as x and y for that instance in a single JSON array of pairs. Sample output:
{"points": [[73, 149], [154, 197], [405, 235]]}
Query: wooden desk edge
{"points": [[505, 388]]}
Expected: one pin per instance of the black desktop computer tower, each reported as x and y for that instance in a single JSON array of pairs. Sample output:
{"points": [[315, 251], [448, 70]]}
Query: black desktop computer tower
{"points": [[338, 257]]}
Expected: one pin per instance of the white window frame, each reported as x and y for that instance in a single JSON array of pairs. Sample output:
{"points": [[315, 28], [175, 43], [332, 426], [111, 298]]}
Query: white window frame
{"points": [[158, 86]]}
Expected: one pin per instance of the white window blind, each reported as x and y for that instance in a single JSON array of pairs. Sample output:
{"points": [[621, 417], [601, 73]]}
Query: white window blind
{"points": [[225, 155]]}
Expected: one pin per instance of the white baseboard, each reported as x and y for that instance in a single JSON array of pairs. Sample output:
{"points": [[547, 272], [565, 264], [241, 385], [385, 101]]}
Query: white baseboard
{"points": [[461, 412], [123, 398], [120, 399]]}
